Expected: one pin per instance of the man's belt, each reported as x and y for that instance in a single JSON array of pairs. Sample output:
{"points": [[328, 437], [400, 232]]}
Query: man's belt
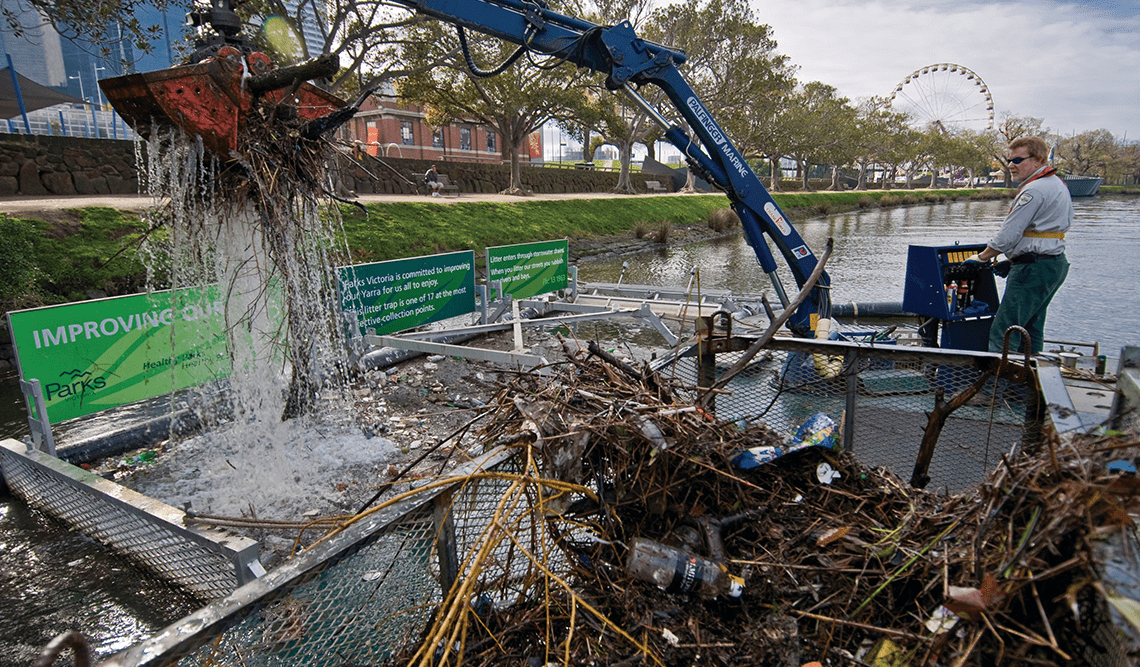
{"points": [[1030, 257], [1034, 234]]}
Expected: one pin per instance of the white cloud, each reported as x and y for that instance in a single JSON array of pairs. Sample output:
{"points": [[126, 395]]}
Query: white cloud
{"points": [[1074, 64]]}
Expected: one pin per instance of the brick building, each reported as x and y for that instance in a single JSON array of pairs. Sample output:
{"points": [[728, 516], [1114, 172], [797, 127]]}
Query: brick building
{"points": [[392, 128]]}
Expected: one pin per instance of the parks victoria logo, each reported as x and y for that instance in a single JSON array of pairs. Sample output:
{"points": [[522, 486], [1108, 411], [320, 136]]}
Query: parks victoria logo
{"points": [[75, 382]]}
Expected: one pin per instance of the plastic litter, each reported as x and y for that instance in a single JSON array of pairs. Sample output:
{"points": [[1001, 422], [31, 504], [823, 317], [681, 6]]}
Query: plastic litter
{"points": [[819, 430]]}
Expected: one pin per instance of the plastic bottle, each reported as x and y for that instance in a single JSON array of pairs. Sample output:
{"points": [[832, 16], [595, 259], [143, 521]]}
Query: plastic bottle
{"points": [[677, 571], [951, 291], [963, 295]]}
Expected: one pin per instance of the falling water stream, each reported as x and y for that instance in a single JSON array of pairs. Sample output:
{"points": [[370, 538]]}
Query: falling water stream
{"points": [[265, 262]]}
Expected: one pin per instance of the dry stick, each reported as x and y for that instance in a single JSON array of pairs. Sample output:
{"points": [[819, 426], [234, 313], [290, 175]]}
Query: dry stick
{"points": [[1112, 447], [1044, 616], [969, 649], [861, 626], [384, 487], [770, 332], [919, 477], [772, 563], [719, 472], [1030, 637]]}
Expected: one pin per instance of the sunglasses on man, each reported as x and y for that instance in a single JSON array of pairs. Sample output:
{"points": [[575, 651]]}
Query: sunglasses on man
{"points": [[1018, 160]]}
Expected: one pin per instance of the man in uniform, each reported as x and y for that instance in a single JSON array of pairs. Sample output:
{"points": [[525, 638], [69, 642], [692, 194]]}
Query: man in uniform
{"points": [[1033, 238]]}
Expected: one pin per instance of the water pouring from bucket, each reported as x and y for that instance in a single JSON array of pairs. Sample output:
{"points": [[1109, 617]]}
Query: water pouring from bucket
{"points": [[236, 154]]}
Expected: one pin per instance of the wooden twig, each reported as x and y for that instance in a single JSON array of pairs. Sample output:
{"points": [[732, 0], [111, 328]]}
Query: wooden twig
{"points": [[774, 327], [862, 626]]}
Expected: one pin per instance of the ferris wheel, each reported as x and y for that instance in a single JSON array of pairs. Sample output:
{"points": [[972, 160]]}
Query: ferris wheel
{"points": [[946, 96]]}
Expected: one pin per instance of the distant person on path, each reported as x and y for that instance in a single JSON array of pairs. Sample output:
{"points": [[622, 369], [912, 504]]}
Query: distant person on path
{"points": [[432, 180], [1033, 239]]}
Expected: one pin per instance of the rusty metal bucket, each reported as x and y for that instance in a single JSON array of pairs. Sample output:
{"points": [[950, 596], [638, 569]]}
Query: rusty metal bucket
{"points": [[212, 99]]}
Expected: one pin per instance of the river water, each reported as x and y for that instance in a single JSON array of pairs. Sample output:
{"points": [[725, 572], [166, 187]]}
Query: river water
{"points": [[1099, 302], [52, 580]]}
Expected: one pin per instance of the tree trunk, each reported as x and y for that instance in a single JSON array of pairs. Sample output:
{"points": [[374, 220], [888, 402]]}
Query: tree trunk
{"points": [[802, 168], [515, 187], [862, 184], [835, 178], [690, 186], [625, 183], [774, 177]]}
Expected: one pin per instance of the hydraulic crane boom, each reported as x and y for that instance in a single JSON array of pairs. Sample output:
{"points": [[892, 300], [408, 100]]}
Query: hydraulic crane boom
{"points": [[629, 63], [211, 98]]}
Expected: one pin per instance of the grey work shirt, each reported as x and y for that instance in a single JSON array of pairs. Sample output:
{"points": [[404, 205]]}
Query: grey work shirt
{"points": [[1044, 205]]}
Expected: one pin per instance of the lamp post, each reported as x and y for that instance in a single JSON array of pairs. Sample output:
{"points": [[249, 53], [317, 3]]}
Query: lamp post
{"points": [[83, 96], [98, 96]]}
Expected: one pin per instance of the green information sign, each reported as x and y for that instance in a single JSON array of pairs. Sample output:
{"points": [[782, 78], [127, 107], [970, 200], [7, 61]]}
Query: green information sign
{"points": [[529, 269], [400, 294], [95, 355]]}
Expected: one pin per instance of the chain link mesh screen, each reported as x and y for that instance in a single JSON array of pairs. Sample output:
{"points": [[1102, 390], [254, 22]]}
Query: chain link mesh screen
{"points": [[205, 573], [371, 590], [883, 394]]}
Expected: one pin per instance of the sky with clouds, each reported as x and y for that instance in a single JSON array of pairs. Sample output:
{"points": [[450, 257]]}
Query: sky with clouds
{"points": [[1074, 64]]}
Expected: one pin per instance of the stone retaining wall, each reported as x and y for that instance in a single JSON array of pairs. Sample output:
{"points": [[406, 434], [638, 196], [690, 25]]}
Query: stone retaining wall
{"points": [[37, 165], [34, 165]]}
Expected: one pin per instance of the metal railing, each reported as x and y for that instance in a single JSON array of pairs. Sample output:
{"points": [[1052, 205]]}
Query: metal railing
{"points": [[208, 564], [881, 394], [369, 591]]}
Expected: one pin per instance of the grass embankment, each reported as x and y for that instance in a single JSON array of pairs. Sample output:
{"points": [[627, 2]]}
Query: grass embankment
{"points": [[409, 229], [91, 251]]}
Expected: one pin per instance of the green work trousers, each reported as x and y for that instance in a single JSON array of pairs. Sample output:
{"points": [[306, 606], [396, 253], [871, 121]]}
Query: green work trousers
{"points": [[1028, 291]]}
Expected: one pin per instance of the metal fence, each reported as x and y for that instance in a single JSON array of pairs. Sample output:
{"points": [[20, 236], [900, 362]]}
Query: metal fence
{"points": [[370, 590], [208, 564], [71, 120], [881, 394]]}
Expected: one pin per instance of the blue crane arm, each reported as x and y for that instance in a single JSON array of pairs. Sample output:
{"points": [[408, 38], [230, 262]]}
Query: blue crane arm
{"points": [[630, 62]]}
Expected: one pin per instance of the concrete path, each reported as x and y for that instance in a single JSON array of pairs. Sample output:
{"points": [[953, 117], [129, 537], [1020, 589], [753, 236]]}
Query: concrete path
{"points": [[25, 205]]}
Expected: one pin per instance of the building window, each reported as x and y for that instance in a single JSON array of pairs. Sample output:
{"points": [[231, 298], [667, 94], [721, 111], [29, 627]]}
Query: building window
{"points": [[490, 142], [437, 138], [406, 133], [465, 138]]}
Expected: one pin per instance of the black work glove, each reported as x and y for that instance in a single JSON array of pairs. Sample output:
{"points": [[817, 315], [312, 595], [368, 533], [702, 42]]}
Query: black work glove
{"points": [[1002, 268]]}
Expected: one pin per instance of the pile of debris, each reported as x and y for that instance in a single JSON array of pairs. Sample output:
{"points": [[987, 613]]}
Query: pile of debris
{"points": [[657, 525]]}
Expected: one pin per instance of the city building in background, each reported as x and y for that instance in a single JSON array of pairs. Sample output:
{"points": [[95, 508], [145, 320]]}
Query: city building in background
{"points": [[74, 67], [389, 127], [385, 124]]}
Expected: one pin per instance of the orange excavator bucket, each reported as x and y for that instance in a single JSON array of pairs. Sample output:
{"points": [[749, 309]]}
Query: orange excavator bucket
{"points": [[213, 98]]}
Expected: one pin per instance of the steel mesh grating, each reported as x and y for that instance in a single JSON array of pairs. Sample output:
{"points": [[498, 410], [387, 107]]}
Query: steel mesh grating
{"points": [[204, 573], [368, 592], [506, 572], [889, 392], [354, 610]]}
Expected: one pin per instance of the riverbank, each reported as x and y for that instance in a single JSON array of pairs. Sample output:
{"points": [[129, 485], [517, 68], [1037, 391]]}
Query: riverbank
{"points": [[69, 249], [60, 250]]}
